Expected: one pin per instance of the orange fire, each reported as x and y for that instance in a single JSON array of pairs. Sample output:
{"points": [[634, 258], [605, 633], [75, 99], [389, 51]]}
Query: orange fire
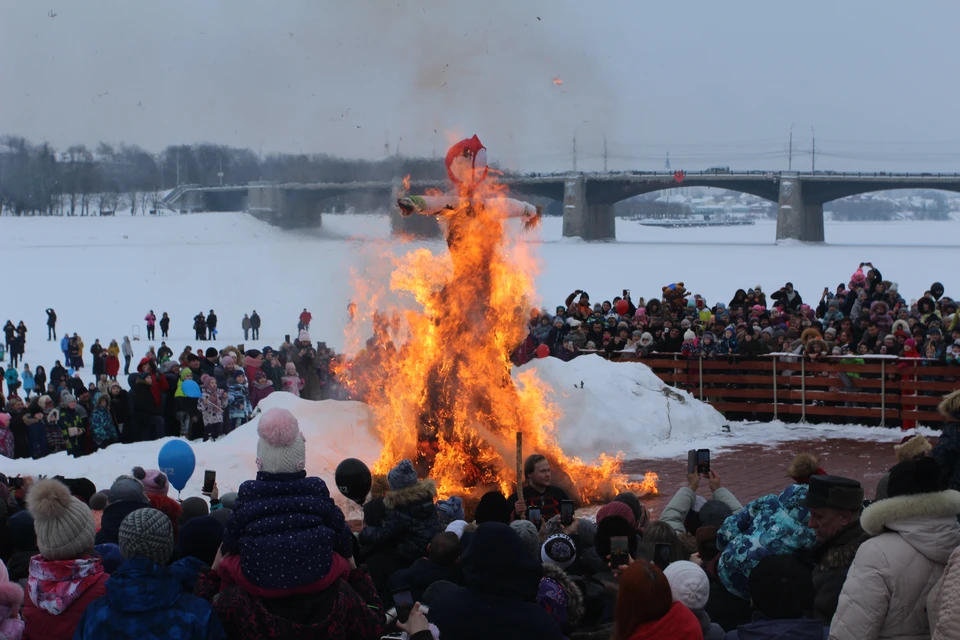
{"points": [[437, 375], [406, 183]]}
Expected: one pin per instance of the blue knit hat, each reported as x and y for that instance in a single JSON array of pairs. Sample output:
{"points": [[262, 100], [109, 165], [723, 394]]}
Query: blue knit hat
{"points": [[450, 509], [402, 476]]}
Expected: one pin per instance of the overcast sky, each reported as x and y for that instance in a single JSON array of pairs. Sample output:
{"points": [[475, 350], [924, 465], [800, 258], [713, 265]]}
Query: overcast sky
{"points": [[710, 82]]}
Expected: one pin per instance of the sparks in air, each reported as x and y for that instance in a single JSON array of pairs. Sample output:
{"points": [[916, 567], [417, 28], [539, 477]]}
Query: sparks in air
{"points": [[557, 81]]}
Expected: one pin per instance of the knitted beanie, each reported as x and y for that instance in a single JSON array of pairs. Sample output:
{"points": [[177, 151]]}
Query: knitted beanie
{"points": [[99, 501], [640, 513], [450, 509], [559, 550], [64, 525], [529, 534], [126, 488], [493, 507], [229, 499], [148, 533], [154, 481], [689, 335], [281, 447], [402, 476], [226, 361], [304, 336], [193, 507], [616, 509], [689, 584]]}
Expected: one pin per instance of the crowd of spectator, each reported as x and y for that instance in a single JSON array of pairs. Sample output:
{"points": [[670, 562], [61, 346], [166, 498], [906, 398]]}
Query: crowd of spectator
{"points": [[865, 316], [278, 559], [202, 393]]}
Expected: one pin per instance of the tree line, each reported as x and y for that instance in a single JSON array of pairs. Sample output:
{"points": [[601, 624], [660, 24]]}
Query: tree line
{"points": [[37, 179]]}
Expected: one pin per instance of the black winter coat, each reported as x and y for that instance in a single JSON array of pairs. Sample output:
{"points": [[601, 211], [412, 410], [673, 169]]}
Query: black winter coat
{"points": [[831, 563], [420, 575], [255, 321], [410, 523], [499, 600]]}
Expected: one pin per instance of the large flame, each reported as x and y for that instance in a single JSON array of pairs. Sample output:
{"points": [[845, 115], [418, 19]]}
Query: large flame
{"points": [[445, 397]]}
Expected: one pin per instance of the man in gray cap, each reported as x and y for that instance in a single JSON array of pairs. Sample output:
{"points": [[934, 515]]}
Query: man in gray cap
{"points": [[835, 504]]}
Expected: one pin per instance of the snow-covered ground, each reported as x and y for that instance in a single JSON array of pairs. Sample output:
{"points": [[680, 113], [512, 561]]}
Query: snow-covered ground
{"points": [[102, 275]]}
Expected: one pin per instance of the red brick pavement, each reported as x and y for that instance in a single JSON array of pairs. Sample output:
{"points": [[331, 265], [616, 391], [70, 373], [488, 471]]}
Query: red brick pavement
{"points": [[751, 471]]}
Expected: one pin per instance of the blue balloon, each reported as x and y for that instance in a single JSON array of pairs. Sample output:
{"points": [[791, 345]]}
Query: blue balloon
{"points": [[176, 459], [191, 389]]}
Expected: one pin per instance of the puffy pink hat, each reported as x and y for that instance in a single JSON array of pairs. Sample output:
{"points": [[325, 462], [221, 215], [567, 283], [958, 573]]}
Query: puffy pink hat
{"points": [[154, 481], [228, 360], [858, 275], [640, 312], [281, 448]]}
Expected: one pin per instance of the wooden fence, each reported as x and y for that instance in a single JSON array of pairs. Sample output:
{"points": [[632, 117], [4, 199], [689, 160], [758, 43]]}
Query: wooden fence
{"points": [[884, 390]]}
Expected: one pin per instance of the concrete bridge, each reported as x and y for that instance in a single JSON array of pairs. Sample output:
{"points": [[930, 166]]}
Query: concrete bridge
{"points": [[588, 198]]}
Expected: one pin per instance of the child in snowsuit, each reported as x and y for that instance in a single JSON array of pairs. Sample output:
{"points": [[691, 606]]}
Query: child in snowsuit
{"points": [[292, 383], [6, 436], [101, 423], [71, 425], [239, 406], [211, 407]]}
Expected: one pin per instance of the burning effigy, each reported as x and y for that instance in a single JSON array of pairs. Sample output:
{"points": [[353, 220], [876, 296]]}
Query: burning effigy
{"points": [[440, 388]]}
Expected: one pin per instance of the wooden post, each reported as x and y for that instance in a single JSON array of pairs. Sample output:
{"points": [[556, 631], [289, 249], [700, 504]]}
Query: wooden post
{"points": [[519, 465]]}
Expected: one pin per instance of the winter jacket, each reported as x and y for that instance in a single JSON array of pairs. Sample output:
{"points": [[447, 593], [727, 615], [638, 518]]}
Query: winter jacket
{"points": [[286, 529], [292, 384], [57, 594], [145, 601], [498, 600], [11, 377], [211, 406], [682, 502], [126, 348], [70, 419], [246, 323], [421, 574], [7, 443], [764, 629], [348, 609], [885, 594], [238, 400], [832, 561], [679, 624], [28, 382], [164, 324], [947, 455], [255, 321], [151, 319], [769, 526], [943, 603], [187, 571], [410, 524], [259, 391], [102, 427]]}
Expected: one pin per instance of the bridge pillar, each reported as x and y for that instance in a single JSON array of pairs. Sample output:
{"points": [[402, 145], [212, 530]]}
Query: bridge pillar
{"points": [[285, 209], [797, 220], [584, 220]]}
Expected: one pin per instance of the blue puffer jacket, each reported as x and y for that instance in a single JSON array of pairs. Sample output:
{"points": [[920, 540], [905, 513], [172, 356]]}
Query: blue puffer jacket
{"points": [[187, 571], [769, 526], [285, 527], [145, 601]]}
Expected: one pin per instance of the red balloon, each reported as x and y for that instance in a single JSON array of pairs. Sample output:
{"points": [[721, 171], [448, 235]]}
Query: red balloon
{"points": [[543, 351], [623, 307]]}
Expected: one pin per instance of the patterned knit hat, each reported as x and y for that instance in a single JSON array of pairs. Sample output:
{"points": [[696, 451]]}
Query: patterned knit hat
{"points": [[450, 509], [64, 525], [154, 481], [146, 532], [529, 534], [402, 476], [281, 448], [560, 550], [618, 509]]}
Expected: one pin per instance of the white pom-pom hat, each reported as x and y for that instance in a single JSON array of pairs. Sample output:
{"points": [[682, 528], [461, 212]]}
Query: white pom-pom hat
{"points": [[281, 448]]}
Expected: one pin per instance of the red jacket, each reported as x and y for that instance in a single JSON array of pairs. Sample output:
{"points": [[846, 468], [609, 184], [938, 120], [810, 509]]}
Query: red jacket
{"points": [[43, 625], [159, 382], [679, 624], [306, 317]]}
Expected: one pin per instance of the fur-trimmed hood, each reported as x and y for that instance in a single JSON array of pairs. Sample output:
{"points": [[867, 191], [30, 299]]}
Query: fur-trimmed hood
{"points": [[927, 521], [574, 597], [950, 406], [423, 491], [840, 552]]}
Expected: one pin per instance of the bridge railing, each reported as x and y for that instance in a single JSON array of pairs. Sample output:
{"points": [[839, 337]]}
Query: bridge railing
{"points": [[884, 390]]}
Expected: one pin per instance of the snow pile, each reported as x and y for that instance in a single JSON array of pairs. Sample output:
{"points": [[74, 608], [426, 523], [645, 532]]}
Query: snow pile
{"points": [[332, 430], [622, 406]]}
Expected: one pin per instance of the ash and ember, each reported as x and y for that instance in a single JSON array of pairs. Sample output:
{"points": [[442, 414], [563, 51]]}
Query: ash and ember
{"points": [[445, 398]]}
